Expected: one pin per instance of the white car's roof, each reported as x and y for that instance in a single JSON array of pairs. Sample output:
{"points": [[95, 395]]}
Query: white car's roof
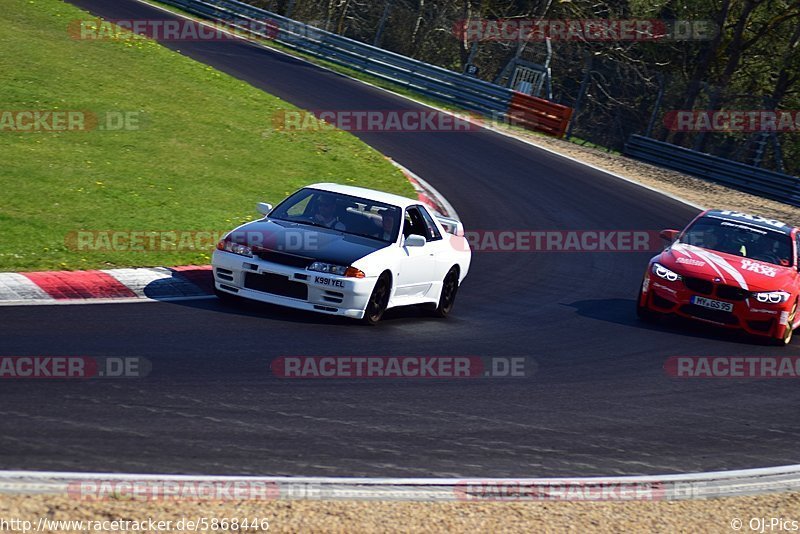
{"points": [[368, 194]]}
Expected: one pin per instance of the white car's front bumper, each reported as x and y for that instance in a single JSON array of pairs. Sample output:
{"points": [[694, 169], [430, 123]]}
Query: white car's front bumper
{"points": [[294, 287]]}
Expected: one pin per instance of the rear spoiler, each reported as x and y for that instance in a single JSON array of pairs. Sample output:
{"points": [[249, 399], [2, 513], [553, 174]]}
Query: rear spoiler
{"points": [[451, 226]]}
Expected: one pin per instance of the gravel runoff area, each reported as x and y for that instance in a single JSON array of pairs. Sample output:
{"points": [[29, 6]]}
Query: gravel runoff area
{"points": [[782, 511], [765, 513]]}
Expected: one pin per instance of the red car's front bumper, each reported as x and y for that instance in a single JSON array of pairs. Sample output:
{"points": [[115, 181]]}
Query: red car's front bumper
{"points": [[667, 297]]}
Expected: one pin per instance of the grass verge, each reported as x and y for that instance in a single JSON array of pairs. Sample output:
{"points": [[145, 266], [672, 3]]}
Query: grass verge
{"points": [[193, 156]]}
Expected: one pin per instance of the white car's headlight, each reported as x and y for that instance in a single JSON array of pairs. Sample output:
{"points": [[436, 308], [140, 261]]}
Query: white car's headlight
{"points": [[236, 248], [327, 268], [340, 270], [662, 272], [771, 297]]}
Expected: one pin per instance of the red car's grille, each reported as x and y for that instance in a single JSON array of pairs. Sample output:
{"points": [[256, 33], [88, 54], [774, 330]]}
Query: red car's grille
{"points": [[698, 285], [706, 287], [732, 293]]}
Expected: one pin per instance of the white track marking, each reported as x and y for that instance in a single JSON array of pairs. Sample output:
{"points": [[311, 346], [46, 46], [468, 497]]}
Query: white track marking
{"points": [[16, 287]]}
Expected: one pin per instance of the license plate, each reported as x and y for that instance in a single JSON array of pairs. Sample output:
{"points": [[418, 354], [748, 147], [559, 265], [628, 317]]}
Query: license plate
{"points": [[712, 304], [321, 280]]}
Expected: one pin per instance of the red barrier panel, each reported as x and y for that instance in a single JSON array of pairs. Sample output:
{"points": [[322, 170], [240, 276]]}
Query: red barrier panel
{"points": [[538, 114]]}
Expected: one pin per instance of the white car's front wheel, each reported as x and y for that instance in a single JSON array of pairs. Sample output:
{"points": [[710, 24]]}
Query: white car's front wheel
{"points": [[448, 295], [379, 300]]}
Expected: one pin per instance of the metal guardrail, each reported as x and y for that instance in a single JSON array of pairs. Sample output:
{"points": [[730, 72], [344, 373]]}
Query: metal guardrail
{"points": [[95, 486], [755, 180], [436, 82]]}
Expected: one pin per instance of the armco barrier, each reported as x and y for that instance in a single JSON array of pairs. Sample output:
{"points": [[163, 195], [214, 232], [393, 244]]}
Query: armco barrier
{"points": [[539, 114], [435, 82], [761, 182], [665, 487]]}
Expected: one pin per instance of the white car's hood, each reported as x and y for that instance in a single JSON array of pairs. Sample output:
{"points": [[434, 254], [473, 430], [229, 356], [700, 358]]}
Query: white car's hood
{"points": [[320, 244]]}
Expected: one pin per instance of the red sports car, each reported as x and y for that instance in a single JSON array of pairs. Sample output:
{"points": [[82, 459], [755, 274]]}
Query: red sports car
{"points": [[730, 269]]}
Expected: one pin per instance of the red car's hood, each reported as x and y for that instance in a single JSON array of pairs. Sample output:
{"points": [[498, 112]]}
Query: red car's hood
{"points": [[746, 273]]}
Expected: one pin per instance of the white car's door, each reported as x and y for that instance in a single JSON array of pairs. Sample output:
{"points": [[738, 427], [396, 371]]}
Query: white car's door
{"points": [[418, 266]]}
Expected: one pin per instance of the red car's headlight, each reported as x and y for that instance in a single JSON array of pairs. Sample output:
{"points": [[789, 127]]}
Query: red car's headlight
{"points": [[771, 297], [662, 272]]}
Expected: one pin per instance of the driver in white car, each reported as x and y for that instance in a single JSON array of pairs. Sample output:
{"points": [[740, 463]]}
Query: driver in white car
{"points": [[387, 226], [326, 213]]}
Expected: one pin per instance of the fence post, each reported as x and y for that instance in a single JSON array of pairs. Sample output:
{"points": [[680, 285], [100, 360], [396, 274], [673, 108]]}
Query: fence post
{"points": [[581, 92], [657, 107], [289, 9], [387, 7]]}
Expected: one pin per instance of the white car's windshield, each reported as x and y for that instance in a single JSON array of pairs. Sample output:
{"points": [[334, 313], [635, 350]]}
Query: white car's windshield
{"points": [[344, 213], [732, 237]]}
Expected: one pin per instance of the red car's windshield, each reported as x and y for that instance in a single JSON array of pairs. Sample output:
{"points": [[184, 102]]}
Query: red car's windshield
{"points": [[733, 237]]}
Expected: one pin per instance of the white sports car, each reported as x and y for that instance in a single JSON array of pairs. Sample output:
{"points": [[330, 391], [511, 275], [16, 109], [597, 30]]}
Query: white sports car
{"points": [[345, 250]]}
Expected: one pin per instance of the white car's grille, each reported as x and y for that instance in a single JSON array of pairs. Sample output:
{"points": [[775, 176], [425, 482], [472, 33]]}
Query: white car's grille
{"points": [[283, 258], [276, 284]]}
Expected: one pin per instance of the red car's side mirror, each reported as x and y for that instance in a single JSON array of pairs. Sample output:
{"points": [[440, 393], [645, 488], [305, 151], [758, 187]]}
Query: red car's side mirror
{"points": [[669, 235]]}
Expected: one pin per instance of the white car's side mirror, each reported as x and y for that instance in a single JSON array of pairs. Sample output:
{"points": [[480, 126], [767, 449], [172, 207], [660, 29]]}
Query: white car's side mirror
{"points": [[263, 208], [415, 240]]}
